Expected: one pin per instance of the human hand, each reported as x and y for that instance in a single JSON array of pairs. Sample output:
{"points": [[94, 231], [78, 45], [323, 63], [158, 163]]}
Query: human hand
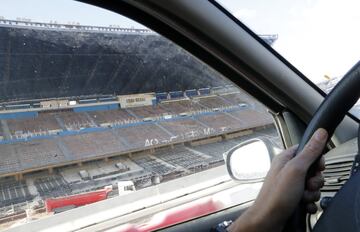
{"points": [[284, 188]]}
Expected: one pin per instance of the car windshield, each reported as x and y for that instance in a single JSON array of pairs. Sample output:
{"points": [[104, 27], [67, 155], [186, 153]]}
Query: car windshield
{"points": [[97, 108], [317, 37]]}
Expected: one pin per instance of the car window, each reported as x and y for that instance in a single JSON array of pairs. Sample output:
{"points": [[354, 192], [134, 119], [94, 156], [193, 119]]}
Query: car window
{"points": [[94, 105], [317, 37]]}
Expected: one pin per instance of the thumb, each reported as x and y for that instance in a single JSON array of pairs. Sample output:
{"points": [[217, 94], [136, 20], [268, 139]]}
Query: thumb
{"points": [[313, 148]]}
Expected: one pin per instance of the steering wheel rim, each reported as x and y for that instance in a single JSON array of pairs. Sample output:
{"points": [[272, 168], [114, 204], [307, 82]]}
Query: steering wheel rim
{"points": [[328, 116]]}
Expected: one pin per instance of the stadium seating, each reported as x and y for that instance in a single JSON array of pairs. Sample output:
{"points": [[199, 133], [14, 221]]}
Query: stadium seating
{"points": [[9, 160], [252, 118], [212, 102], [215, 150], [28, 155], [237, 98], [80, 147], [76, 121], [181, 106], [152, 165], [38, 153], [13, 192], [184, 158], [43, 124], [147, 111], [142, 136], [112, 117], [221, 122], [126, 132], [105, 141], [52, 186], [184, 128]]}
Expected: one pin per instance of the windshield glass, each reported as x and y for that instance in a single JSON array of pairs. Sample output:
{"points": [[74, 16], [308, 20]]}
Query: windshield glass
{"points": [[318, 37], [96, 107]]}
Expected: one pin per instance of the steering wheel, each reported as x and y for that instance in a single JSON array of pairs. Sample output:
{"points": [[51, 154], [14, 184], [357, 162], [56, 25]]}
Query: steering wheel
{"points": [[328, 116]]}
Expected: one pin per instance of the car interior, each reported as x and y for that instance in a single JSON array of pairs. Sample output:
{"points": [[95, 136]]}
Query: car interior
{"points": [[213, 35], [208, 31]]}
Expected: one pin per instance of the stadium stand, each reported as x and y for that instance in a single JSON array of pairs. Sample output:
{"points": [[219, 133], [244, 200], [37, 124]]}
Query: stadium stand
{"points": [[213, 102], [148, 111], [43, 124], [105, 141], [237, 98], [216, 150], [184, 128], [86, 136], [80, 147], [31, 154], [112, 117], [75, 120], [105, 173], [52, 186], [142, 136], [13, 192], [181, 106], [221, 122], [166, 162], [10, 163], [153, 165], [180, 156], [142, 181], [129, 135], [251, 118]]}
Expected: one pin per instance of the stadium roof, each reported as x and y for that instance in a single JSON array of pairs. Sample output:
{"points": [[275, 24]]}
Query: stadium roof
{"points": [[47, 60], [270, 39]]}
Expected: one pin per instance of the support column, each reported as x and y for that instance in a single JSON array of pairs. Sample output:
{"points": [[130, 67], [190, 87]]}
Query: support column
{"points": [[19, 177]]}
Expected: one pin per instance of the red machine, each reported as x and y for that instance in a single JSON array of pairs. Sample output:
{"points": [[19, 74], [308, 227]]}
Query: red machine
{"points": [[76, 200]]}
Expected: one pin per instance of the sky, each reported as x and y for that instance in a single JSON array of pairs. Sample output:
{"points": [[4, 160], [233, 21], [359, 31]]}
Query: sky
{"points": [[319, 37], [63, 11]]}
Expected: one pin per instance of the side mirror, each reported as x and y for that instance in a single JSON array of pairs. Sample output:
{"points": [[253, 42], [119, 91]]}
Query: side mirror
{"points": [[250, 160]]}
